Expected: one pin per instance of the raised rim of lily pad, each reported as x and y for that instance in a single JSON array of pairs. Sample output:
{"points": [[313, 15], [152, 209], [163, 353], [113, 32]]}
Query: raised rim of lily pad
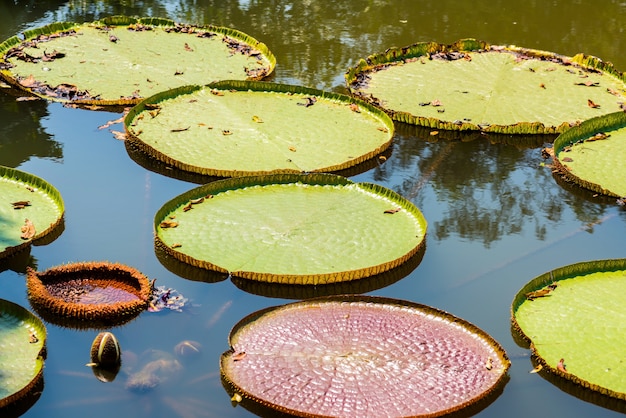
{"points": [[150, 55], [236, 128], [361, 356], [291, 228], [548, 311], [591, 154], [32, 211], [88, 294], [473, 85], [23, 340]]}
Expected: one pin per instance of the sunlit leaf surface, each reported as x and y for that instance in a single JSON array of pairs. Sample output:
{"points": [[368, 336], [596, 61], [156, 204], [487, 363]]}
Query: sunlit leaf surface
{"points": [[573, 317], [120, 60], [473, 85], [361, 356], [296, 229], [238, 128]]}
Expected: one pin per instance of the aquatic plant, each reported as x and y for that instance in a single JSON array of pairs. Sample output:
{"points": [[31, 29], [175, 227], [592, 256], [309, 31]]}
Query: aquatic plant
{"points": [[22, 353], [348, 356], [572, 318], [298, 229], [472, 85], [119, 60], [88, 294], [238, 128]]}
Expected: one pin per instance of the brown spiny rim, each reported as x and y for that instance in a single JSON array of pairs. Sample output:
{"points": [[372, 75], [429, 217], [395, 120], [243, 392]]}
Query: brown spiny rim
{"points": [[70, 281]]}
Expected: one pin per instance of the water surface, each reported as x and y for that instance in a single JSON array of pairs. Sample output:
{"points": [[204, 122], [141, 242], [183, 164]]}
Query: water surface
{"points": [[497, 217]]}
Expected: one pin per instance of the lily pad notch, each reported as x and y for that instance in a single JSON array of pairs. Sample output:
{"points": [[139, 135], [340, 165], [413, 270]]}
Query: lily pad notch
{"points": [[291, 228], [236, 128], [119, 60], [88, 294], [472, 85], [347, 356], [547, 313], [592, 155]]}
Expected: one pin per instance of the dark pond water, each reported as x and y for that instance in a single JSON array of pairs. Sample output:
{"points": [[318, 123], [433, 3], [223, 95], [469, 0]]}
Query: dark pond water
{"points": [[497, 218]]}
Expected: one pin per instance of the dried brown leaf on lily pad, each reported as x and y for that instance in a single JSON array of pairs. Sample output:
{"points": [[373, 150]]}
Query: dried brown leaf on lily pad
{"points": [[28, 229], [347, 356]]}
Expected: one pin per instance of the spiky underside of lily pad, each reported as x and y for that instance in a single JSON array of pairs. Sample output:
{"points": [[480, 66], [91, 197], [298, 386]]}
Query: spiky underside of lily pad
{"points": [[120, 60], [42, 206], [88, 294], [580, 321], [237, 128], [471, 85], [592, 155], [291, 229], [348, 356], [22, 351]]}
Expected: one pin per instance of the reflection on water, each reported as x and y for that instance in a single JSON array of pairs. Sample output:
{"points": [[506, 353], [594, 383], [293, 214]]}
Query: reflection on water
{"points": [[497, 217]]}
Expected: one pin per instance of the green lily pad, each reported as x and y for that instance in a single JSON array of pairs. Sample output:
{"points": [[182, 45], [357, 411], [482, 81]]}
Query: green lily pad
{"points": [[236, 128], [359, 356], [592, 155], [119, 60], [573, 318], [30, 208], [471, 85], [291, 229], [22, 352]]}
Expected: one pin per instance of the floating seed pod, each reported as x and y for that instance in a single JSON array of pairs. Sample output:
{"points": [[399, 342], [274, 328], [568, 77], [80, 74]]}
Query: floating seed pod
{"points": [[106, 352], [89, 294]]}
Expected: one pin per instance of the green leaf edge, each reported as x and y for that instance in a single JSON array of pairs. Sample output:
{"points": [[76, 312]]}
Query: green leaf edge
{"points": [[22, 313], [563, 273], [258, 86], [396, 54], [119, 21], [220, 186], [261, 407], [587, 129], [44, 186]]}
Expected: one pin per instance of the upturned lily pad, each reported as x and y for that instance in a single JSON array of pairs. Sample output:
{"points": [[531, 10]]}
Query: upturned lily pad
{"points": [[592, 155], [471, 85], [22, 353], [573, 318], [119, 60], [291, 229], [89, 294], [30, 208], [358, 356], [237, 128]]}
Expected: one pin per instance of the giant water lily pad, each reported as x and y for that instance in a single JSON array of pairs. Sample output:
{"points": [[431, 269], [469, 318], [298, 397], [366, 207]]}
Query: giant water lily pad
{"points": [[574, 319], [236, 128], [474, 85], [22, 353], [88, 294], [30, 208], [592, 155], [119, 60], [349, 356], [291, 229]]}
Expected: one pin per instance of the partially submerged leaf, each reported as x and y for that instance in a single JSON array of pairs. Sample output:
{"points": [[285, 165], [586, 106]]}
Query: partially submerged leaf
{"points": [[359, 356], [486, 87]]}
